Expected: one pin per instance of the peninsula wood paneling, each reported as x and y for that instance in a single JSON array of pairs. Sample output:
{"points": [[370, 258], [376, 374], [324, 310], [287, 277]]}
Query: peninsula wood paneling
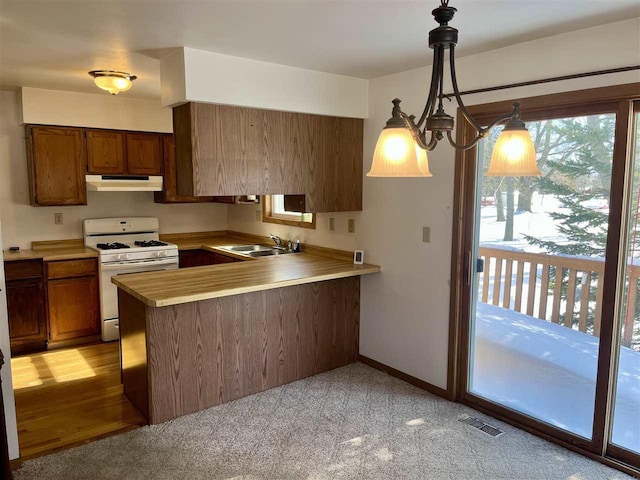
{"points": [[202, 354]]}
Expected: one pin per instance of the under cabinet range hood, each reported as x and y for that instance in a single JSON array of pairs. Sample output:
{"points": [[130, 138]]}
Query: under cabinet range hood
{"points": [[121, 183]]}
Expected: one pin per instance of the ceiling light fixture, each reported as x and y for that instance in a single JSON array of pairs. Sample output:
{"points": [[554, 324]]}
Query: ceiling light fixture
{"points": [[112, 81], [402, 147]]}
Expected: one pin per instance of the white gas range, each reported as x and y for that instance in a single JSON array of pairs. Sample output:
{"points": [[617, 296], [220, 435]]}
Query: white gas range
{"points": [[125, 245]]}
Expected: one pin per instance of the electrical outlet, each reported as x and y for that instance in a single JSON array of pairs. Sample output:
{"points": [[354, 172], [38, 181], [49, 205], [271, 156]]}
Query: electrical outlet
{"points": [[352, 225], [57, 218], [258, 215], [332, 224], [426, 234]]}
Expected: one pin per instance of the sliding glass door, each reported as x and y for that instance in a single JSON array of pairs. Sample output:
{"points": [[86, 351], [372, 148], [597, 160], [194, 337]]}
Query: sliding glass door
{"points": [[540, 249], [547, 278], [625, 433]]}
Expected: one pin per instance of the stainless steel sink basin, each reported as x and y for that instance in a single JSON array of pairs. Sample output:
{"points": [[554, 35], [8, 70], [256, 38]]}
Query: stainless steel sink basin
{"points": [[255, 250], [247, 248]]}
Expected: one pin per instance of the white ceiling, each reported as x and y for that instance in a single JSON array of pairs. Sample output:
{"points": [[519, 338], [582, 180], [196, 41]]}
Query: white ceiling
{"points": [[53, 44]]}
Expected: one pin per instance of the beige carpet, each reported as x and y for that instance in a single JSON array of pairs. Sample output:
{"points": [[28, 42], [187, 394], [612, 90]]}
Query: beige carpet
{"points": [[350, 423]]}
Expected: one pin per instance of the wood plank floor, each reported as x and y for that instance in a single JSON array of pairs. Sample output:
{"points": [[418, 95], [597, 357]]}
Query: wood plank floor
{"points": [[69, 397]]}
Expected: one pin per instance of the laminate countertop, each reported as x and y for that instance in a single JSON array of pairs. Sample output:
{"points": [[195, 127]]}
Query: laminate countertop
{"points": [[51, 251], [173, 287]]}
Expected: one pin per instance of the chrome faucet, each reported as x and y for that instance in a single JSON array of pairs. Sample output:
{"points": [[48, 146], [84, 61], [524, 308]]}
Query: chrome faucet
{"points": [[277, 240]]}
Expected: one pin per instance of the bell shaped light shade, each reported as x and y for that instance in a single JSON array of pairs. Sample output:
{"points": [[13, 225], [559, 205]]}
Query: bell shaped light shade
{"points": [[398, 155], [513, 155], [112, 81]]}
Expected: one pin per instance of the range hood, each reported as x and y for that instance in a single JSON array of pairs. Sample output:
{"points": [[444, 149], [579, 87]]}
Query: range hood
{"points": [[129, 183]]}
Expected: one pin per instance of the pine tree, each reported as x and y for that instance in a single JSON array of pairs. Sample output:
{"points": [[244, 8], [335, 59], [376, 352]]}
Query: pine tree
{"points": [[579, 175]]}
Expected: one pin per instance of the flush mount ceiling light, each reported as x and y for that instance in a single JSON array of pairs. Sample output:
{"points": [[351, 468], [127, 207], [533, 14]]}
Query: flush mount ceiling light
{"points": [[112, 81], [402, 147]]}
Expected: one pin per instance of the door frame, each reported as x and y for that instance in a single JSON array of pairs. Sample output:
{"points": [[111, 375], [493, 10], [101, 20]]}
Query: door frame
{"points": [[615, 99]]}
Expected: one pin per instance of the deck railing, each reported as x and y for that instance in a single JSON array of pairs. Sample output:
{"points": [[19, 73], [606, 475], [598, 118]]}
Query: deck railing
{"points": [[562, 289]]}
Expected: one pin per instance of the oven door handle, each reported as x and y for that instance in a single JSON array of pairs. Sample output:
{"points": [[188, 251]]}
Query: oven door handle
{"points": [[129, 266]]}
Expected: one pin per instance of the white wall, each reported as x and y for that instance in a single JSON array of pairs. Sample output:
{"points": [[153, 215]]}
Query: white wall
{"points": [[242, 218], [405, 309], [215, 78], [74, 109], [23, 223]]}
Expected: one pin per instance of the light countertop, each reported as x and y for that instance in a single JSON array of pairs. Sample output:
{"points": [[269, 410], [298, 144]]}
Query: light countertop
{"points": [[51, 251], [172, 287]]}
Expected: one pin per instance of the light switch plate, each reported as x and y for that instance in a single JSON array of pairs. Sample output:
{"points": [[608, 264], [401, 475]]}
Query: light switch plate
{"points": [[58, 219], [258, 215], [352, 225], [426, 234], [332, 224]]}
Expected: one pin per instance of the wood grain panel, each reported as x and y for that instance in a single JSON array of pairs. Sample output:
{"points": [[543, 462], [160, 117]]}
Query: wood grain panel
{"points": [[73, 305], [169, 193], [72, 268], [57, 163], [227, 150], [27, 318], [202, 354], [105, 151], [133, 351], [20, 270], [144, 155]]}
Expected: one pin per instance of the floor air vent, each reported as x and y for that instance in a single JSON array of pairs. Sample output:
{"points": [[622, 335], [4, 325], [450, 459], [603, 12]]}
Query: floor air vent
{"points": [[480, 425]]}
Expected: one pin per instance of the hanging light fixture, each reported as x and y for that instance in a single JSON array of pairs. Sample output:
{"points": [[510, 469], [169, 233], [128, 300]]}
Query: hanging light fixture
{"points": [[402, 147], [112, 81]]}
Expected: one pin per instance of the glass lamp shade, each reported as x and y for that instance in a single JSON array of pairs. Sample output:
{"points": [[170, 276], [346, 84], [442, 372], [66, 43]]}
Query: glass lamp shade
{"points": [[398, 155], [113, 84], [513, 155]]}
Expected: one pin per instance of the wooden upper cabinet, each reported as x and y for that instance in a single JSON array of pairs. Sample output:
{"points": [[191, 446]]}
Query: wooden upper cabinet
{"points": [[226, 150], [106, 152], [57, 162], [144, 154], [169, 193]]}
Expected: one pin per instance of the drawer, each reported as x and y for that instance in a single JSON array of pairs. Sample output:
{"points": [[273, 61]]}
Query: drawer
{"points": [[22, 269], [72, 268]]}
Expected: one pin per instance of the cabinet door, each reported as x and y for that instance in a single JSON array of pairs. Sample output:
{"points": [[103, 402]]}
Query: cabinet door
{"points": [[219, 258], [169, 192], [196, 258], [57, 164], [73, 308], [105, 152], [345, 144], [144, 156], [27, 325]]}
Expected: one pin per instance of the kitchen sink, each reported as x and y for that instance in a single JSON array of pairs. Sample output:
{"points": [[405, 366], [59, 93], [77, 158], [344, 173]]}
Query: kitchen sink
{"points": [[255, 250]]}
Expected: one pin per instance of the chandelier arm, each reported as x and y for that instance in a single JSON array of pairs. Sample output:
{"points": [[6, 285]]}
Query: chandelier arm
{"points": [[456, 91], [428, 109], [418, 135], [464, 147], [482, 132]]}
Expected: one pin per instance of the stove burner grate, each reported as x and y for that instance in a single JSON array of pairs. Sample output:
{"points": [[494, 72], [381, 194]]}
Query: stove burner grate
{"points": [[150, 243], [111, 246]]}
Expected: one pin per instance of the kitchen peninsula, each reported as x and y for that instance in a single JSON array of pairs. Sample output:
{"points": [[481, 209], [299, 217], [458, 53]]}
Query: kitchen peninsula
{"points": [[198, 337]]}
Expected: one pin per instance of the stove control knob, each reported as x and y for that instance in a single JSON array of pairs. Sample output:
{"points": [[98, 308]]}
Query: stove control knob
{"points": [[122, 256], [162, 254]]}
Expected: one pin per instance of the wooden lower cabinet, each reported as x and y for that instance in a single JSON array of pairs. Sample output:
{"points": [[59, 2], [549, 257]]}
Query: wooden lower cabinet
{"points": [[200, 257], [73, 301], [25, 305], [73, 308], [27, 319]]}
